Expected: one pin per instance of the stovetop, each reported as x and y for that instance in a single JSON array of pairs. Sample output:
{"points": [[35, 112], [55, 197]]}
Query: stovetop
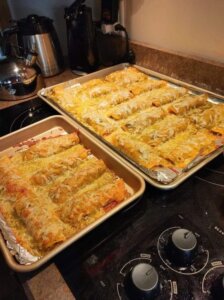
{"points": [[166, 245], [24, 114], [170, 245]]}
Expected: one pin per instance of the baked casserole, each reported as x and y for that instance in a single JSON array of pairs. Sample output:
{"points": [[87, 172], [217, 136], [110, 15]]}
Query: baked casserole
{"points": [[53, 190], [155, 124]]}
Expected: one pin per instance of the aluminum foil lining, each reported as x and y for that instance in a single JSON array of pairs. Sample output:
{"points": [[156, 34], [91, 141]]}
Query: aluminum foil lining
{"points": [[164, 175], [20, 253], [167, 175]]}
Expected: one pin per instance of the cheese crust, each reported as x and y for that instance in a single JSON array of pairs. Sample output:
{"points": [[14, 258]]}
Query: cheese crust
{"points": [[39, 184], [141, 115]]}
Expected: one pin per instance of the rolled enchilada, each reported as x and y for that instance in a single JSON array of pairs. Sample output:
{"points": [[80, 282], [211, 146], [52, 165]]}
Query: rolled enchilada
{"points": [[63, 166]]}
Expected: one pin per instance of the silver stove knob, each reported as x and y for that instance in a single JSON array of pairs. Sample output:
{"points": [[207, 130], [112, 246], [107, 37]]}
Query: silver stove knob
{"points": [[182, 247], [142, 282]]}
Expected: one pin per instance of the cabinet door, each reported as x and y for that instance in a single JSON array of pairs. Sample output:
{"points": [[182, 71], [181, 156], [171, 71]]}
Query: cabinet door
{"points": [[4, 14]]}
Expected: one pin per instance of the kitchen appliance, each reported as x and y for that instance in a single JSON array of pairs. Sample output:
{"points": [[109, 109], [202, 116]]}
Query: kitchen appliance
{"points": [[81, 38], [2, 46], [20, 77], [91, 44], [23, 114], [111, 37], [188, 221], [109, 11], [169, 246], [113, 45], [37, 33]]}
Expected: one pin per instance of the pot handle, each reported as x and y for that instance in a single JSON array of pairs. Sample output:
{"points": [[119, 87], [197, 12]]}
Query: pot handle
{"points": [[8, 47]]}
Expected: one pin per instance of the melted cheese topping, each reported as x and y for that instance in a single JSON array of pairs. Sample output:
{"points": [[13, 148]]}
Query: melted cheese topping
{"points": [[186, 103], [126, 76], [138, 88], [35, 184], [164, 130], [145, 117], [186, 146]]}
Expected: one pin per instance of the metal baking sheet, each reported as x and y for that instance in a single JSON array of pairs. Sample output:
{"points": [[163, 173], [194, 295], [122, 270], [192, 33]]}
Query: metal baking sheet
{"points": [[215, 98], [134, 182]]}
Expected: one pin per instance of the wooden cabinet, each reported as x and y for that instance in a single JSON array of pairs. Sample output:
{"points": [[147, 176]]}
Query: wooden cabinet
{"points": [[5, 15]]}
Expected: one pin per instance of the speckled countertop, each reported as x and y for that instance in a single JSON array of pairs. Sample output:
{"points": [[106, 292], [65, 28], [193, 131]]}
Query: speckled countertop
{"points": [[63, 76], [196, 71], [203, 73], [48, 283]]}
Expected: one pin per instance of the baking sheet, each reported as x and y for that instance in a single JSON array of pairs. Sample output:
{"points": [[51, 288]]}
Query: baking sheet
{"points": [[146, 174], [52, 127]]}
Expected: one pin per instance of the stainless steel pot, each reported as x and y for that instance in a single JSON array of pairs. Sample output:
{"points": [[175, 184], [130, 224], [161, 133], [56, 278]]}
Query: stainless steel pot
{"points": [[37, 33], [20, 78]]}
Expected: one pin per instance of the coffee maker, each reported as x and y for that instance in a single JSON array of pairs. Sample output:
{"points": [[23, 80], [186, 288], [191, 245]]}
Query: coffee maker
{"points": [[82, 53], [112, 38], [37, 34], [93, 44]]}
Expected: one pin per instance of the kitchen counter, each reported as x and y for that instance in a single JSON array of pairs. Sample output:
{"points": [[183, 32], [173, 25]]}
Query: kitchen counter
{"points": [[48, 283], [193, 70], [64, 76], [202, 73]]}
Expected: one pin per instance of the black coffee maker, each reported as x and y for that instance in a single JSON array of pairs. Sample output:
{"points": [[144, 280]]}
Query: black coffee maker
{"points": [[82, 52], [111, 37], [92, 44]]}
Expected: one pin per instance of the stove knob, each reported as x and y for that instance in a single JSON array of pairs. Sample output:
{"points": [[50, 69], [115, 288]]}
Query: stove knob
{"points": [[182, 247], [142, 282], [217, 289]]}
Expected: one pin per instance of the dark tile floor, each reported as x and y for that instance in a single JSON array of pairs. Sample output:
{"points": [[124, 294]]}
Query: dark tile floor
{"points": [[10, 289]]}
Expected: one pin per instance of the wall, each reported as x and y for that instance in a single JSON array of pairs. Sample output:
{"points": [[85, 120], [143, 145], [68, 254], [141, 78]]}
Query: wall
{"points": [[188, 27], [192, 27], [53, 9]]}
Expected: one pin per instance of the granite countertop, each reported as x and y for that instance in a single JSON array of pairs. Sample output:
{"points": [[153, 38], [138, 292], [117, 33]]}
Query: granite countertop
{"points": [[205, 74], [64, 76], [48, 284]]}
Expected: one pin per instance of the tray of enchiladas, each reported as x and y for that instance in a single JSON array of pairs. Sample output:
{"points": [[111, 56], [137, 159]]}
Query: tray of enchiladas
{"points": [[165, 128], [57, 183]]}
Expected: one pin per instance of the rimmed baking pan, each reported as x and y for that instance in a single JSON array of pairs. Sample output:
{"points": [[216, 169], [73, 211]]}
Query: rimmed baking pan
{"points": [[14, 141], [182, 176]]}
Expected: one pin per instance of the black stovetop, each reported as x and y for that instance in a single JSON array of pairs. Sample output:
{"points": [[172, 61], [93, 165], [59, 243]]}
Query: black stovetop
{"points": [[104, 263], [100, 265], [24, 114]]}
